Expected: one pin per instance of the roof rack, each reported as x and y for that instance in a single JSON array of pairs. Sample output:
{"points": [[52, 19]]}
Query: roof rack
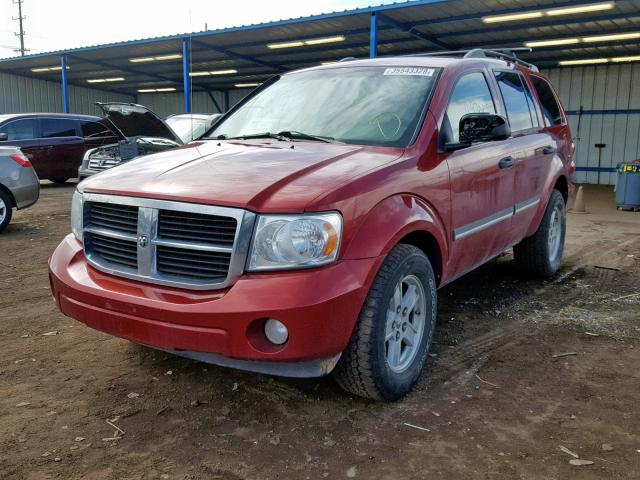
{"points": [[507, 54]]}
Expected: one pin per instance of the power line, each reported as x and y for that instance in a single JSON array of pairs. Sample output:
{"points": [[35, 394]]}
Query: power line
{"points": [[21, 33]]}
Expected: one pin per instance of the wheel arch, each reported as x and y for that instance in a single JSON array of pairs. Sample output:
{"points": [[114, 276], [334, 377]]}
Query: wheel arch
{"points": [[9, 194], [402, 218], [562, 185]]}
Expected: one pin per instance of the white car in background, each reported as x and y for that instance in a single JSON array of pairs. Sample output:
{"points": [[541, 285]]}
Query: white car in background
{"points": [[191, 126]]}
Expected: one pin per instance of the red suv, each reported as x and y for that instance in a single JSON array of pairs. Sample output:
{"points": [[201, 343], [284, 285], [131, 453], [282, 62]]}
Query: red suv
{"points": [[309, 230]]}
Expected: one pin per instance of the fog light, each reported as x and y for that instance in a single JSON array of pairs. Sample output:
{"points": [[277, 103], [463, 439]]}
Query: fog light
{"points": [[276, 332]]}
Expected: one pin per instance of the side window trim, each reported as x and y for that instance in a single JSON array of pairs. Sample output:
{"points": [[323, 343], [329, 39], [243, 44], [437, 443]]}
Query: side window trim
{"points": [[536, 124]]}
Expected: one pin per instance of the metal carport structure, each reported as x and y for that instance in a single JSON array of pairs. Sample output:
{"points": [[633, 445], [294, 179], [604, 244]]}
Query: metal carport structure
{"points": [[572, 33]]}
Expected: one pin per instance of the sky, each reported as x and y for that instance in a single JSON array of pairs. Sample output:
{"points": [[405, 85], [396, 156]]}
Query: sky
{"points": [[60, 24]]}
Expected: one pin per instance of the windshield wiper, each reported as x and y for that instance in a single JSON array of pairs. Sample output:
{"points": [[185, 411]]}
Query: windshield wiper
{"points": [[254, 135], [284, 135], [295, 135]]}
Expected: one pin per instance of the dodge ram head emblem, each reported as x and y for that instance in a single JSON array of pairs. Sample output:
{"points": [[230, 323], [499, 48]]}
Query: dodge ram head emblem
{"points": [[143, 241]]}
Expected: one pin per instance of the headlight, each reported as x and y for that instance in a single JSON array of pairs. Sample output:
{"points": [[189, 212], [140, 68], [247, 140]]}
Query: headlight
{"points": [[77, 214], [295, 241]]}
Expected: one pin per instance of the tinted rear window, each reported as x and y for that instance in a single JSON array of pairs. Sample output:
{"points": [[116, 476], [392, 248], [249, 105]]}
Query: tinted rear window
{"points": [[58, 127], [95, 130], [550, 108]]}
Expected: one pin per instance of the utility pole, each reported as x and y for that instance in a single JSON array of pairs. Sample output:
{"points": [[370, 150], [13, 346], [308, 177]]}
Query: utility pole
{"points": [[20, 34]]}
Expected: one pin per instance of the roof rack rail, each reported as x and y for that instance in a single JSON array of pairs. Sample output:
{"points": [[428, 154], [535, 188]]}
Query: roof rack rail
{"points": [[507, 54]]}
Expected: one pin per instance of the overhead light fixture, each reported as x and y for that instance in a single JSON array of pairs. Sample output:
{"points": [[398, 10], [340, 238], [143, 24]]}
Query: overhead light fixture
{"points": [[551, 43], [596, 7], [159, 58], [313, 41], [512, 17], [106, 80], [586, 61], [612, 38], [633, 58], [320, 41], [47, 69], [246, 85], [329, 63], [285, 45], [228, 71], [156, 90], [553, 12]]}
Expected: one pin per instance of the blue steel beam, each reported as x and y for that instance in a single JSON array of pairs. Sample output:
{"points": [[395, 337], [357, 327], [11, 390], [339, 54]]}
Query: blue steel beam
{"points": [[373, 36], [186, 79], [411, 30], [64, 84], [239, 56]]}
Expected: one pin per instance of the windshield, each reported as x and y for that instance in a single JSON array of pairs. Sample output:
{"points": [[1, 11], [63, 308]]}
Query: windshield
{"points": [[363, 105], [187, 128]]}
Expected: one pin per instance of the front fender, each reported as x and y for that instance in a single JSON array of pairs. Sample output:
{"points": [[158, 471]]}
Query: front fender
{"points": [[391, 220]]}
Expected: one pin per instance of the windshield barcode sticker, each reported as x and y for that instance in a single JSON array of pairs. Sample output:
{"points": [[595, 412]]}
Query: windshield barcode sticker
{"points": [[423, 72]]}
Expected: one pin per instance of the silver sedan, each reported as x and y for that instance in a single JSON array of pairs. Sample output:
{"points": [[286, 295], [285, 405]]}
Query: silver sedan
{"points": [[19, 184]]}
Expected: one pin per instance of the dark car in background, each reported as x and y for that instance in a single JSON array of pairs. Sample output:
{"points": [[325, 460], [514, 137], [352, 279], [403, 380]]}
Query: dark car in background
{"points": [[55, 143], [139, 132]]}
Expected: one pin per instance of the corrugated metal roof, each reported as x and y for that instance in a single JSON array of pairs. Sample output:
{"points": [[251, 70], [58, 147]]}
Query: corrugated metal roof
{"points": [[404, 28]]}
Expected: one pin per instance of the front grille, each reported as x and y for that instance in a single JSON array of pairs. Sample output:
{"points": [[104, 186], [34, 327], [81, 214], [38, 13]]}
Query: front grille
{"points": [[170, 243], [113, 250], [196, 227], [98, 163], [122, 218], [211, 266]]}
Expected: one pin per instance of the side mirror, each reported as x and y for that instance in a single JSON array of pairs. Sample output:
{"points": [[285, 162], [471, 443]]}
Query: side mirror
{"points": [[483, 127], [4, 137]]}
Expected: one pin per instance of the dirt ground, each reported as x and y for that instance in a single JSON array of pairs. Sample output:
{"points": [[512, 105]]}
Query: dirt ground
{"points": [[498, 398]]}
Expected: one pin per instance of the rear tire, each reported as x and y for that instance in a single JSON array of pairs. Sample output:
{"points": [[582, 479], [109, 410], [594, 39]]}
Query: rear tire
{"points": [[540, 255], [60, 180], [6, 210], [390, 343]]}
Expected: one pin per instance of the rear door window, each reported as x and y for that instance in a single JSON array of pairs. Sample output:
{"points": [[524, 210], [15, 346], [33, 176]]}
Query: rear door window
{"points": [[58, 127], [550, 107], [470, 95], [517, 101]]}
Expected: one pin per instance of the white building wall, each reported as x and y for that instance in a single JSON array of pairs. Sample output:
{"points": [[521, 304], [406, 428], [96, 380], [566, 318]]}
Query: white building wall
{"points": [[609, 98], [24, 94]]}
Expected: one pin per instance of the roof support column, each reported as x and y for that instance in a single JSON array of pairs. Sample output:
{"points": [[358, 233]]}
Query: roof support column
{"points": [[226, 101], [64, 83], [373, 36], [186, 83]]}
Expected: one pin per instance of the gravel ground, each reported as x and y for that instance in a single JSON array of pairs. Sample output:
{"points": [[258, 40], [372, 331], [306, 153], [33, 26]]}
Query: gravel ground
{"points": [[525, 377]]}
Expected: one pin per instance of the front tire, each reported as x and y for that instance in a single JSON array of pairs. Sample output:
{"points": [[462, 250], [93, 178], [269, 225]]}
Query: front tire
{"points": [[540, 255], [390, 343], [6, 210]]}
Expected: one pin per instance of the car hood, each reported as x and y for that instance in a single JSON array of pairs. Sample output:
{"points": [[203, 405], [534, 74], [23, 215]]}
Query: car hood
{"points": [[132, 120], [260, 176]]}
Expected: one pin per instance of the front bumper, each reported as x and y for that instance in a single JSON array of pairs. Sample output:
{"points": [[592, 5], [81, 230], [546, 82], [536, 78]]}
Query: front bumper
{"points": [[318, 306], [84, 172]]}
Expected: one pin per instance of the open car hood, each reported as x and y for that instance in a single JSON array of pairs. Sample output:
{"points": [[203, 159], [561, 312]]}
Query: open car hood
{"points": [[132, 120]]}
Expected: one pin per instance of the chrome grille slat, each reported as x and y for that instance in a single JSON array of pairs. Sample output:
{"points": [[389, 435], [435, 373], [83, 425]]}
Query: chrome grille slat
{"points": [[169, 243], [174, 225]]}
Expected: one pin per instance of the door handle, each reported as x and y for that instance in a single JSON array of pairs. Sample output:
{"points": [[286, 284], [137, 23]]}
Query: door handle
{"points": [[548, 150], [507, 162]]}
